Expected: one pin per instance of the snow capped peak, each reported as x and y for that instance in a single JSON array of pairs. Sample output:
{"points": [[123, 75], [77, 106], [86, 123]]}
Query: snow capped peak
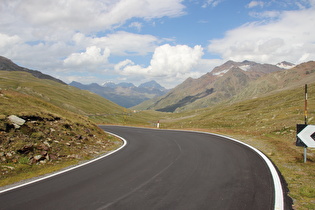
{"points": [[222, 72], [109, 84]]}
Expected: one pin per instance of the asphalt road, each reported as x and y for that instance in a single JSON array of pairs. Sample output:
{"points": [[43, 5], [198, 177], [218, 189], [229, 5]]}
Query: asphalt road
{"points": [[157, 169]]}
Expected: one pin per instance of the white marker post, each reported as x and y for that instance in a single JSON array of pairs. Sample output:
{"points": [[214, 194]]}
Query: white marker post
{"points": [[158, 124], [305, 121]]}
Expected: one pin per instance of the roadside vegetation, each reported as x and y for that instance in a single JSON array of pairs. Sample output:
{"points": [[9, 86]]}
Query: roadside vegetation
{"points": [[269, 124], [49, 139], [60, 128]]}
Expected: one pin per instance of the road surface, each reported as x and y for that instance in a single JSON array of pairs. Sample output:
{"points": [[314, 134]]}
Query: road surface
{"points": [[157, 169]]}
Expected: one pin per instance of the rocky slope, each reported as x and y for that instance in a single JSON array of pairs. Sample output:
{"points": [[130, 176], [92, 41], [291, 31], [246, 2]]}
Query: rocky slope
{"points": [[35, 132], [44, 122], [222, 83]]}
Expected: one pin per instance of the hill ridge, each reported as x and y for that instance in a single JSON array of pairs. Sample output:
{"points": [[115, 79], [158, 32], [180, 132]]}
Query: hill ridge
{"points": [[226, 82], [8, 65]]}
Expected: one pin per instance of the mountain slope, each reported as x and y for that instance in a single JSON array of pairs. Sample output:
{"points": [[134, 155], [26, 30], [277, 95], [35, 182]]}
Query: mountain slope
{"points": [[8, 65], [267, 123], [222, 83], [61, 95], [53, 128], [278, 81]]}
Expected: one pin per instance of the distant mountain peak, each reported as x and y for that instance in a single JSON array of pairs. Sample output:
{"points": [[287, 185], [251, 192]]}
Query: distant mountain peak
{"points": [[108, 84], [152, 85], [246, 65], [124, 94]]}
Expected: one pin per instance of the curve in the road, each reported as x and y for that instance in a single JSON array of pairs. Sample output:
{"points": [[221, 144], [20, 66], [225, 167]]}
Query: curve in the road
{"points": [[159, 169], [47, 176]]}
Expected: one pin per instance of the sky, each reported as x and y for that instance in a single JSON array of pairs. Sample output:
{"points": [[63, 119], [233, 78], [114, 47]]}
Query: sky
{"points": [[98, 41]]}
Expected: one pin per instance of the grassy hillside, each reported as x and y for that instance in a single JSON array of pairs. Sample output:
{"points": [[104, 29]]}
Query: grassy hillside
{"points": [[51, 138], [269, 124], [57, 129], [63, 117], [63, 96]]}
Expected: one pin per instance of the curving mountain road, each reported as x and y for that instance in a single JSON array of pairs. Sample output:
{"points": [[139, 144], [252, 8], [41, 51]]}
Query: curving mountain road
{"points": [[158, 169]]}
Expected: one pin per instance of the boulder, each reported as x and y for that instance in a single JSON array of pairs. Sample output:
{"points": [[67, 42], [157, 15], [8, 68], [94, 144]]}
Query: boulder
{"points": [[16, 121], [37, 157]]}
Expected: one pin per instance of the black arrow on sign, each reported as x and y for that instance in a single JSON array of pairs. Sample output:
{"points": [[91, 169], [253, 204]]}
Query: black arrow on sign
{"points": [[299, 142]]}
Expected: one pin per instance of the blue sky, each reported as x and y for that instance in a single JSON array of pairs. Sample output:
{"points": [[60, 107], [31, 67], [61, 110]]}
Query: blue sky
{"points": [[141, 40]]}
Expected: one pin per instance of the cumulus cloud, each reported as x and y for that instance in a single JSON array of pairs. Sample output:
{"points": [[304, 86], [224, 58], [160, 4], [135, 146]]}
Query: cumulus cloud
{"points": [[9, 41], [51, 22], [92, 56], [67, 36], [124, 43], [172, 63], [291, 37], [73, 15]]}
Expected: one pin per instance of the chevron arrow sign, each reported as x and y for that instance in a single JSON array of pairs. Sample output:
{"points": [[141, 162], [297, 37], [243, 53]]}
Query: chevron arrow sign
{"points": [[305, 135]]}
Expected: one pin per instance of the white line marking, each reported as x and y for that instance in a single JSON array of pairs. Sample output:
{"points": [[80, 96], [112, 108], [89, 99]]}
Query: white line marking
{"points": [[71, 168], [279, 200], [279, 203]]}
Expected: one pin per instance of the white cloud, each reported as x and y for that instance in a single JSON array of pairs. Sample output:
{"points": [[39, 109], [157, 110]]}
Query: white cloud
{"points": [[291, 37], [169, 64], [47, 35], [120, 43], [9, 41], [50, 22], [266, 14], [136, 25], [92, 56], [175, 60], [84, 15], [212, 3], [255, 4], [124, 43]]}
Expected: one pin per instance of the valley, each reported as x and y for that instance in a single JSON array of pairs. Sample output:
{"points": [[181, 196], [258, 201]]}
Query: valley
{"points": [[259, 107]]}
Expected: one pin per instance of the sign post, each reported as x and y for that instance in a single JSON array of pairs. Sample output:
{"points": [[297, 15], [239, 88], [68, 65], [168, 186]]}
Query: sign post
{"points": [[305, 133]]}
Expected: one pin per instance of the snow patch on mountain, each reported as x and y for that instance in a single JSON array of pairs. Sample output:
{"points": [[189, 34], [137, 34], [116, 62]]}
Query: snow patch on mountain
{"points": [[285, 65], [221, 73], [245, 67]]}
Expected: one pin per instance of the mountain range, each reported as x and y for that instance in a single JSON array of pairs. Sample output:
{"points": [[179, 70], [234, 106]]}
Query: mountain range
{"points": [[231, 81], [124, 94]]}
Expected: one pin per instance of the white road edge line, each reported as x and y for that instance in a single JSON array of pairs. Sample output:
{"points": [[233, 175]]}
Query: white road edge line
{"points": [[279, 200], [71, 168]]}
